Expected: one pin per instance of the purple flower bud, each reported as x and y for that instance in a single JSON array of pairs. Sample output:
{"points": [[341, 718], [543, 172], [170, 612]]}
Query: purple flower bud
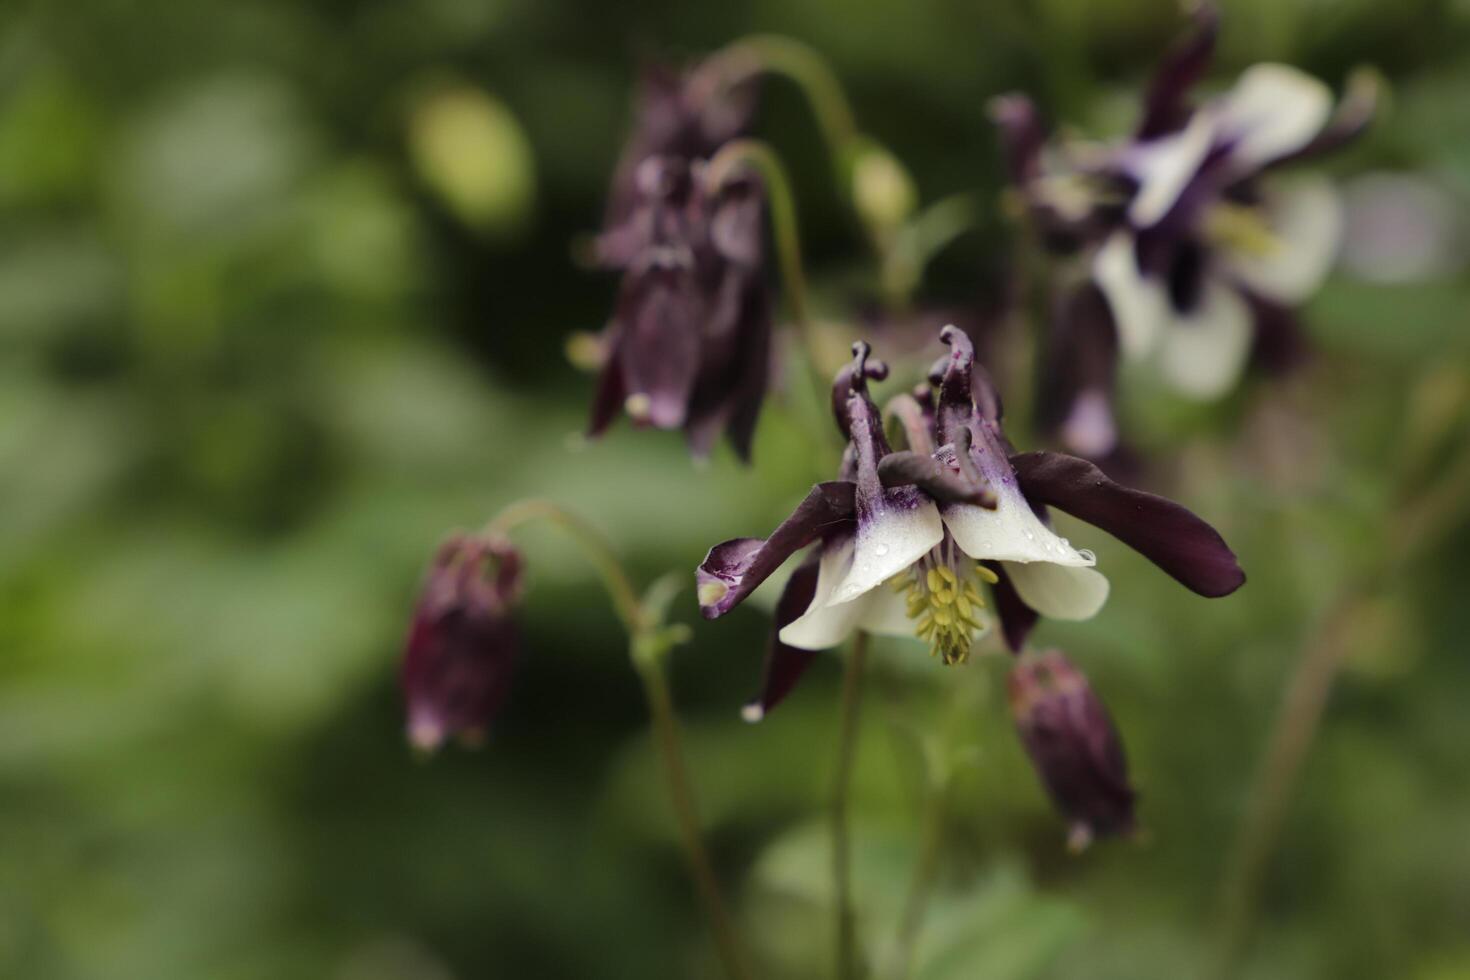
{"points": [[1074, 746], [463, 642]]}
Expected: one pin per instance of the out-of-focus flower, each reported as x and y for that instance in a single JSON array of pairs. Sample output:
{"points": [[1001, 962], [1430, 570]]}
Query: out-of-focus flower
{"points": [[689, 343], [1199, 257], [463, 643], [932, 523], [1403, 228], [1073, 745]]}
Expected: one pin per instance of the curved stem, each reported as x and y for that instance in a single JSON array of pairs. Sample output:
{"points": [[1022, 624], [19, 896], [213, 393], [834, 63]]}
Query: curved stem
{"points": [[809, 70], [594, 546], [666, 731], [647, 645], [852, 692]]}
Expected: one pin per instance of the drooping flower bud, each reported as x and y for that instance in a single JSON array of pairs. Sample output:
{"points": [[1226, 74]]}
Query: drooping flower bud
{"points": [[463, 643], [1073, 745]]}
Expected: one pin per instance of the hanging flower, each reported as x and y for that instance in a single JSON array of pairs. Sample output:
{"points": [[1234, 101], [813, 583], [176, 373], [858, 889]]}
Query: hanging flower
{"points": [[463, 643], [689, 343], [908, 540], [1199, 255], [1073, 745]]}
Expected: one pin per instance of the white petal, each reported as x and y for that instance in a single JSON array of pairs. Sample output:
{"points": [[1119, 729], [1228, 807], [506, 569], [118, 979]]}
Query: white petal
{"points": [[1272, 111], [1163, 168], [1140, 306], [1306, 220], [885, 612], [1205, 351], [824, 625], [888, 543], [1011, 532], [1058, 591]]}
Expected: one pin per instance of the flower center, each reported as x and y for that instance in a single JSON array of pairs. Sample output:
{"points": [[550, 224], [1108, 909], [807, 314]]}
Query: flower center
{"points": [[1242, 228], [944, 601]]}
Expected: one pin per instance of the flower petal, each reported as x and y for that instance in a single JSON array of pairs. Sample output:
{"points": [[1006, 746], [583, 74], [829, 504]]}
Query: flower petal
{"points": [[1167, 103], [1164, 167], [895, 535], [825, 623], [661, 310], [1306, 222], [785, 664], [906, 468], [1010, 532], [1164, 532], [1059, 591], [1204, 352], [1273, 110], [732, 570], [1140, 306]]}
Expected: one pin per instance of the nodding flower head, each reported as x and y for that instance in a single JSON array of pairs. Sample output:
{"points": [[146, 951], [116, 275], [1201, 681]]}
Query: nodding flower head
{"points": [[1199, 252], [1073, 745], [463, 643], [689, 343], [923, 542]]}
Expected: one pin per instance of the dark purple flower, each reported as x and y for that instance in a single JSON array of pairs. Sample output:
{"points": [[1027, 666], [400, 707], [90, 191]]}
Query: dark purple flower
{"points": [[907, 540], [1073, 745], [463, 643], [1199, 254], [689, 344]]}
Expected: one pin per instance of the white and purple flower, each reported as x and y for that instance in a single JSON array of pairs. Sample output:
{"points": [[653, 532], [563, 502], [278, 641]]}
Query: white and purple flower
{"points": [[908, 542]]}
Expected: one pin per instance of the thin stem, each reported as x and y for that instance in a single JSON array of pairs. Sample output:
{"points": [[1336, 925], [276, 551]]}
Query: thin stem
{"points": [[594, 545], [921, 885], [648, 641], [666, 731], [852, 692], [809, 70]]}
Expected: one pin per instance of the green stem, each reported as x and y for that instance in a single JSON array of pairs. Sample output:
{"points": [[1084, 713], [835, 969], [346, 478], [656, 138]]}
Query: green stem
{"points": [[916, 900], [852, 691], [666, 732], [778, 55], [922, 238], [647, 655], [595, 547]]}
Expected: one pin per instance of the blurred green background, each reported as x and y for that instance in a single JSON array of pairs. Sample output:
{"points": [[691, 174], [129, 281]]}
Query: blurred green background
{"points": [[284, 289]]}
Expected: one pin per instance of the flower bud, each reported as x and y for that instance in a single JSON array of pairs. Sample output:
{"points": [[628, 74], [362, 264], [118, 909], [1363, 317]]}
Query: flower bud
{"points": [[463, 643], [1073, 745], [883, 193]]}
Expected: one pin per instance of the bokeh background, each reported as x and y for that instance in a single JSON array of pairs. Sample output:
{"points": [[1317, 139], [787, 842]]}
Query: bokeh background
{"points": [[284, 290]]}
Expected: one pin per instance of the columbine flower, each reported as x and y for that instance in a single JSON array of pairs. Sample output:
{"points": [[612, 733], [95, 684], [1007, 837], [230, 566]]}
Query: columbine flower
{"points": [[463, 642], [908, 539], [1198, 257], [689, 344], [1073, 745]]}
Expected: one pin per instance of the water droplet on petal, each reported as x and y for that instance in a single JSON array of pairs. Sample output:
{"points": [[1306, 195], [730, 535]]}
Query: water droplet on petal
{"points": [[881, 550]]}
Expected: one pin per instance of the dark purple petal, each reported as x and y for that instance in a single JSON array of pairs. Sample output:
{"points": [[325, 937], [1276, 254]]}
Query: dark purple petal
{"points": [[1166, 105], [662, 313], [1073, 745], [854, 377], [1017, 619], [1280, 344], [612, 391], [732, 570], [1076, 397], [1162, 531], [902, 469], [786, 664]]}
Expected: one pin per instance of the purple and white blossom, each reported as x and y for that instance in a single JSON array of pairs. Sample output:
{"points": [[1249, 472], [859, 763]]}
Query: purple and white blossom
{"points": [[1198, 249], [909, 542]]}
